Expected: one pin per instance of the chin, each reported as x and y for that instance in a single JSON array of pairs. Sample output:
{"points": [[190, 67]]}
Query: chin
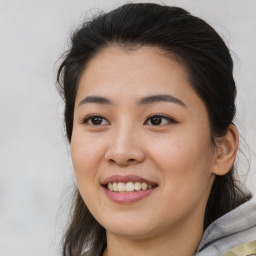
{"points": [[136, 229], [131, 232]]}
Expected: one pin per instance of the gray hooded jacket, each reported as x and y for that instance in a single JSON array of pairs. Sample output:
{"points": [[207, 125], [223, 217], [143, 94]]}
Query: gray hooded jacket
{"points": [[229, 231]]}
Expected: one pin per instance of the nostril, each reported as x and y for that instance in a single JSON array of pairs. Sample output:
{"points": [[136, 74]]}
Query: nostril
{"points": [[123, 161], [131, 160]]}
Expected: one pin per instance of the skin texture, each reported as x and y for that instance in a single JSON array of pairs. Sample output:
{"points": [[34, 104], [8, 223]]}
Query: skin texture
{"points": [[177, 154]]}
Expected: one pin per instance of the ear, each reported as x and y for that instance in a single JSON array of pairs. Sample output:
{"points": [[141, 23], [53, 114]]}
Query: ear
{"points": [[226, 150]]}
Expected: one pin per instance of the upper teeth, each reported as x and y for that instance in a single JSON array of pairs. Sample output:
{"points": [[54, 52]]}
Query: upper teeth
{"points": [[129, 186]]}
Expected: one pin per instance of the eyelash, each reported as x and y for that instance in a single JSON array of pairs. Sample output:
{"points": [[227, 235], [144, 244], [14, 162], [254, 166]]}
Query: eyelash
{"points": [[169, 119]]}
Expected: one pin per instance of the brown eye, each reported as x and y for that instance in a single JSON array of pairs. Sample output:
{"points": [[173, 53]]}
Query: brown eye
{"points": [[156, 120], [95, 120], [159, 120]]}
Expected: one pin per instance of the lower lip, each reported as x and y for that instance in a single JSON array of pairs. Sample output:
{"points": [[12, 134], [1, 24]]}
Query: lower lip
{"points": [[128, 197]]}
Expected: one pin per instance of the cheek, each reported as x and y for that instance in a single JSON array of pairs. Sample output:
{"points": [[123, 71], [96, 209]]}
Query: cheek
{"points": [[184, 158], [85, 158], [85, 150], [86, 155], [186, 170]]}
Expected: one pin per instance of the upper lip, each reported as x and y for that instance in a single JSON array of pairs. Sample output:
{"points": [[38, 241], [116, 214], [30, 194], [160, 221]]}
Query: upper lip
{"points": [[125, 179]]}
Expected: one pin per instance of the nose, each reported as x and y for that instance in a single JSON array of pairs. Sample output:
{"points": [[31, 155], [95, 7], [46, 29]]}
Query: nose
{"points": [[125, 147]]}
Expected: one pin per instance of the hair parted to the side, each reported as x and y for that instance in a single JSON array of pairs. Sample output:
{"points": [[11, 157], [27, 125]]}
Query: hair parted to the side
{"points": [[209, 65]]}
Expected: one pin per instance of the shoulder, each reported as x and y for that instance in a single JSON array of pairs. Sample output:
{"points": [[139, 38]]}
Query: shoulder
{"points": [[235, 228]]}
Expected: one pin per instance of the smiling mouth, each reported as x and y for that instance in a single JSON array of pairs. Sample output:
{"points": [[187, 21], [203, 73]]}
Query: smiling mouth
{"points": [[128, 187]]}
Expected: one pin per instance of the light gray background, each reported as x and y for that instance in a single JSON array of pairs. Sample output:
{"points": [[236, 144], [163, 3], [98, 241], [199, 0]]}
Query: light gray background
{"points": [[35, 168]]}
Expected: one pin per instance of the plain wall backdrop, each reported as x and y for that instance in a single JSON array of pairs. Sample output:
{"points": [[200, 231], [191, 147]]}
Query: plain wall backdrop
{"points": [[36, 173]]}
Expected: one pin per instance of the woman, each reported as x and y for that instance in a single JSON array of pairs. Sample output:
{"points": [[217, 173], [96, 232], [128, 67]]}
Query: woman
{"points": [[149, 107]]}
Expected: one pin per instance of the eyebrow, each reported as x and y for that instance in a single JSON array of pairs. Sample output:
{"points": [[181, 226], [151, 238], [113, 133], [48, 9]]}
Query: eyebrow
{"points": [[142, 101], [95, 99], [159, 98]]}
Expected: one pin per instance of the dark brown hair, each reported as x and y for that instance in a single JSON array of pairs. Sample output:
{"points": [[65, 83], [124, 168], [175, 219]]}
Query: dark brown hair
{"points": [[210, 67]]}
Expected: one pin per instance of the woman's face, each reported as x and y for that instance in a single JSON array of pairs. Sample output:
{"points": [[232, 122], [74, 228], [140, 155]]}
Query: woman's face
{"points": [[140, 127]]}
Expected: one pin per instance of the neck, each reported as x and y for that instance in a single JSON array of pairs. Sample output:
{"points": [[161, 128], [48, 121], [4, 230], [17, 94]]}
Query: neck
{"points": [[180, 241]]}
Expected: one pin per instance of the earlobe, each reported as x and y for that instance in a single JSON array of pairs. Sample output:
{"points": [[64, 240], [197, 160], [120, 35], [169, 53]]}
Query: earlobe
{"points": [[226, 150]]}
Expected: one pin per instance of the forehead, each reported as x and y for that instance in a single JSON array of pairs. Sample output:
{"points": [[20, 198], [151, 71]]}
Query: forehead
{"points": [[116, 71]]}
